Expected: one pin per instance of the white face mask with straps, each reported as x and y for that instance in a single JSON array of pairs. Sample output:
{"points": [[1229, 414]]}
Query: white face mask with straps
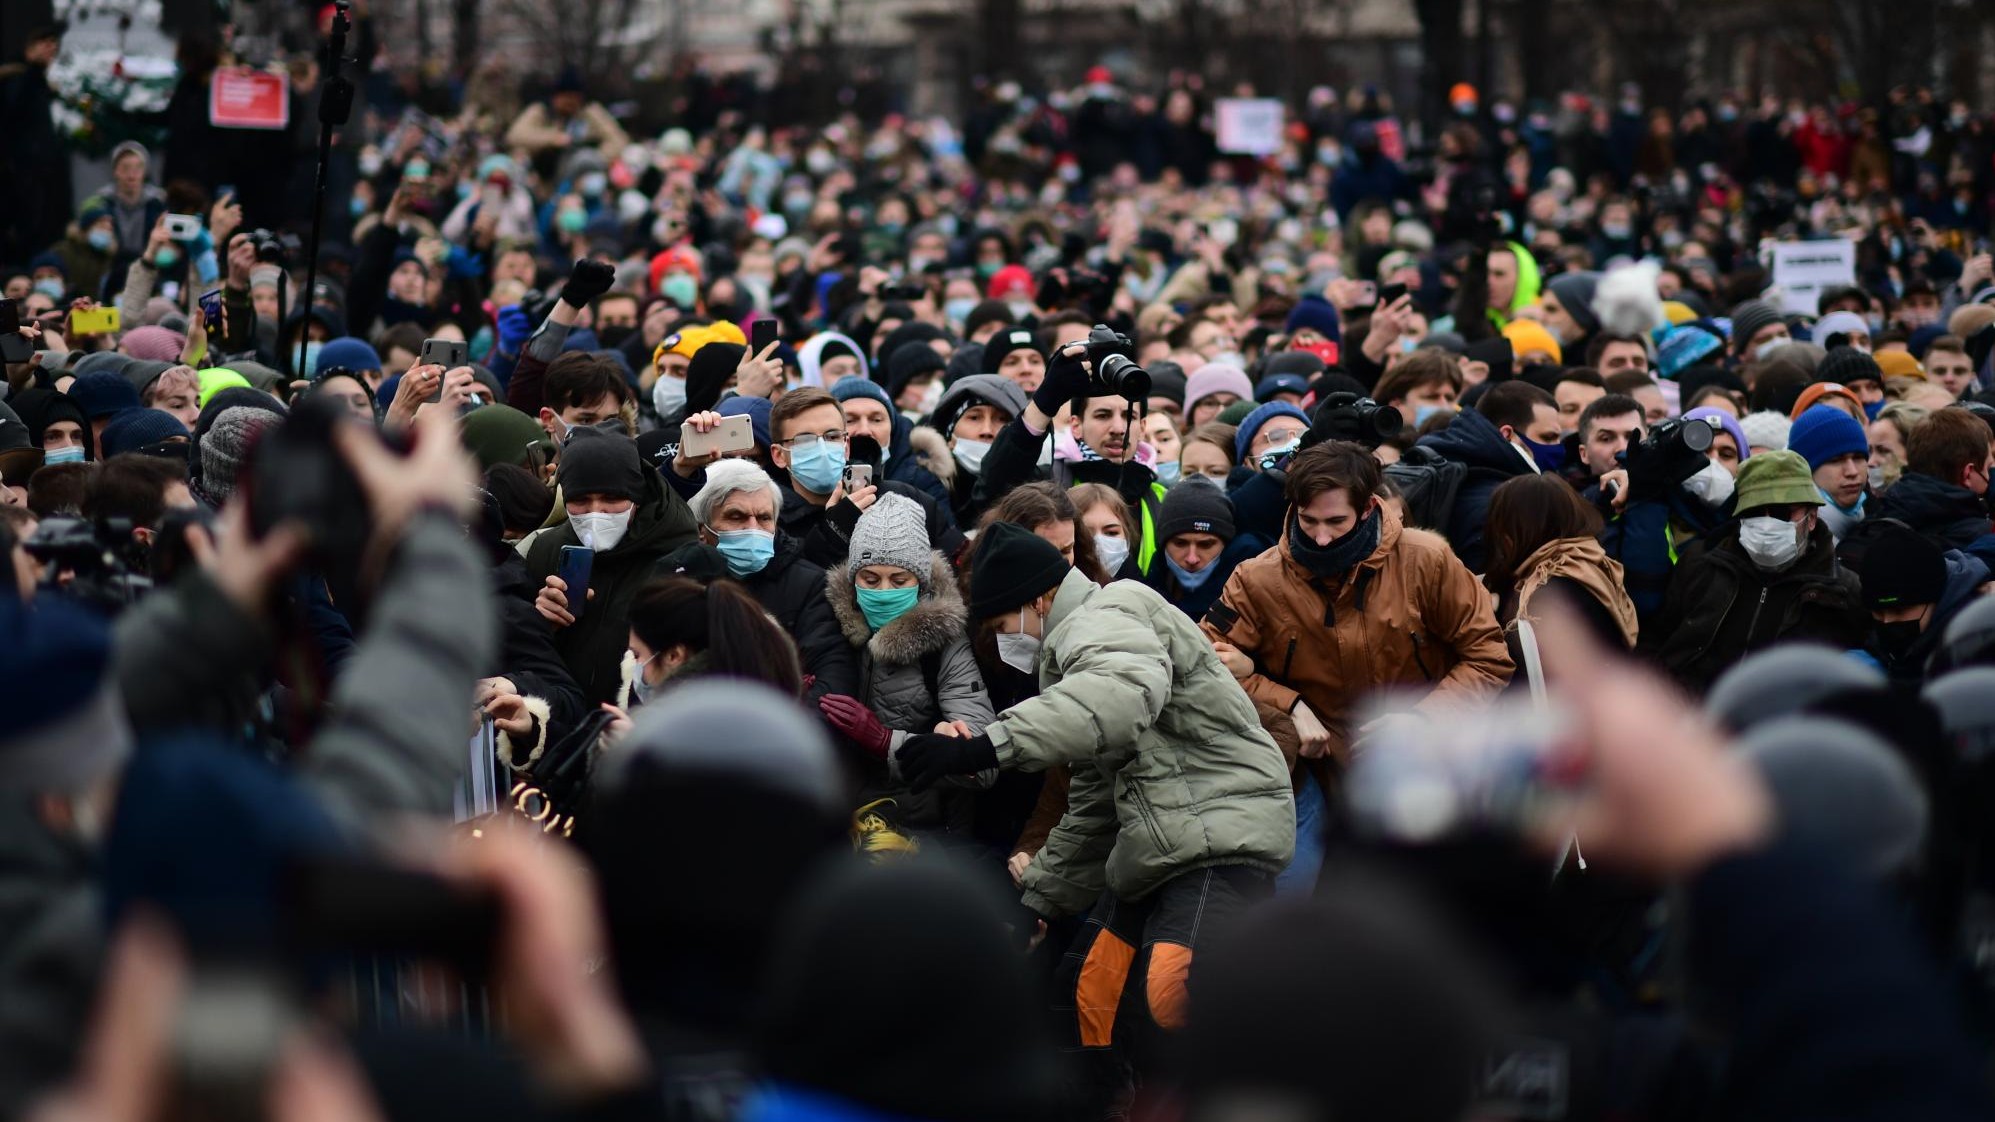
{"points": [[1772, 543], [1713, 484], [601, 530], [1020, 651]]}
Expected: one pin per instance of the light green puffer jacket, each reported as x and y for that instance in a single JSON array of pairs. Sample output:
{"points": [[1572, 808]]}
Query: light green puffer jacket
{"points": [[1171, 769]]}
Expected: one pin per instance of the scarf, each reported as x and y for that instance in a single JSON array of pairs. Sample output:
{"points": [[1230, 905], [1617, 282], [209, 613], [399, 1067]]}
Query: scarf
{"points": [[1333, 561]]}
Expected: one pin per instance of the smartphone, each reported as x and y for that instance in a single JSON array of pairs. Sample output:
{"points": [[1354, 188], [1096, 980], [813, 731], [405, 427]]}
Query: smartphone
{"points": [[447, 353], [762, 333], [14, 346], [211, 307], [98, 321], [733, 434], [577, 562], [857, 476], [183, 227], [1390, 293]]}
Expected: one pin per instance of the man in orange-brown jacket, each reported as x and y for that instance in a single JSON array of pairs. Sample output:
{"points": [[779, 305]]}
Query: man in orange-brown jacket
{"points": [[1350, 601]]}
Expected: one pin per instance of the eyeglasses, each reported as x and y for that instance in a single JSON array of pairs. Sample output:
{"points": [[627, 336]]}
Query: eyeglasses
{"points": [[805, 440]]}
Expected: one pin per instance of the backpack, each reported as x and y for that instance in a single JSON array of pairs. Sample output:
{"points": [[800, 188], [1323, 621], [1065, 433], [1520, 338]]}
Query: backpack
{"points": [[1428, 484]]}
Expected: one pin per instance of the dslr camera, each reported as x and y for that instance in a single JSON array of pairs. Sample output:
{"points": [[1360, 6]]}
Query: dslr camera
{"points": [[1348, 416], [106, 566], [273, 248], [1112, 366]]}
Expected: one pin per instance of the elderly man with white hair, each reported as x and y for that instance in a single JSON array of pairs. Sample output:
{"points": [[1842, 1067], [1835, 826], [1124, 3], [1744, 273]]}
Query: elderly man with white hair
{"points": [[737, 511]]}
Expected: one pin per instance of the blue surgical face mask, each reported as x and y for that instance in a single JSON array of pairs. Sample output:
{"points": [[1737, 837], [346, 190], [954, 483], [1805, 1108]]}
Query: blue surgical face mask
{"points": [[818, 467], [882, 606], [311, 358], [681, 289], [100, 240], [1187, 579], [167, 257], [357, 205], [51, 287], [746, 552], [1421, 413], [1168, 473], [592, 184], [959, 310], [70, 455], [571, 221]]}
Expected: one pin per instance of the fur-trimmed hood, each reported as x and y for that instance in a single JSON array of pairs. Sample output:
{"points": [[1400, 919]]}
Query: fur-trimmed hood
{"points": [[936, 620], [931, 450]]}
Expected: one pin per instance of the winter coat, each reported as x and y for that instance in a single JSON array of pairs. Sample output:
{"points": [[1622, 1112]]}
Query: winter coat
{"points": [[914, 673], [791, 590], [1577, 566], [1170, 769], [1246, 547], [1965, 576], [594, 644], [1014, 460], [529, 660], [83, 266], [1410, 614], [920, 458], [1473, 441], [1951, 515], [1721, 607]]}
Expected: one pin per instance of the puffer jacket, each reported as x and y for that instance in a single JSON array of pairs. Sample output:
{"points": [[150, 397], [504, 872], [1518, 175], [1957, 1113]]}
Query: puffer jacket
{"points": [[1410, 615], [1171, 770], [1473, 441], [894, 676]]}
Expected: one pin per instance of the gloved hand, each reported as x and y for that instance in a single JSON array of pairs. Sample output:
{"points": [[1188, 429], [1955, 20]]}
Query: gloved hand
{"points": [[586, 281], [850, 716], [1066, 379], [927, 758], [515, 327]]}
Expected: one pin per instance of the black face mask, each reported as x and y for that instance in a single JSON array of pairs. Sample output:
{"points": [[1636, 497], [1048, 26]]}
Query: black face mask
{"points": [[613, 336], [1894, 639], [1333, 561]]}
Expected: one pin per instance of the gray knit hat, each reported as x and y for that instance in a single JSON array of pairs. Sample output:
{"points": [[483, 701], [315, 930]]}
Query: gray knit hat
{"points": [[1747, 320], [225, 444], [893, 531], [1575, 292]]}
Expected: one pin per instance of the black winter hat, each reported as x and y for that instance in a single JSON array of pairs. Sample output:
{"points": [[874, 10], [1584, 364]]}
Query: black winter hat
{"points": [[1167, 380], [1195, 508], [968, 360], [913, 331], [911, 361], [1013, 565], [1901, 567], [597, 462], [710, 368], [1844, 365], [1007, 340]]}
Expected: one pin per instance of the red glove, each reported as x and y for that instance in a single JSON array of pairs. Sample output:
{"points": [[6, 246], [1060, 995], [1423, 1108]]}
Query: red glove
{"points": [[850, 716]]}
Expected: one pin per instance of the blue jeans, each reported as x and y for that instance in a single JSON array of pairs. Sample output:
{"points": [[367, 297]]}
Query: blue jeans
{"points": [[1299, 879]]}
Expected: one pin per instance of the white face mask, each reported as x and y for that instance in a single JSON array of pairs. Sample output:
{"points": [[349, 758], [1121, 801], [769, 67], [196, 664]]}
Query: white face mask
{"points": [[601, 531], [970, 453], [931, 397], [1767, 348], [1020, 651], [1713, 484], [1772, 543], [668, 395], [1112, 551]]}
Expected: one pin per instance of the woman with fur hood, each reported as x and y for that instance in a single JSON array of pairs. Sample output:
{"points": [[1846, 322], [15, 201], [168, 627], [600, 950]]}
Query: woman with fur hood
{"points": [[897, 602]]}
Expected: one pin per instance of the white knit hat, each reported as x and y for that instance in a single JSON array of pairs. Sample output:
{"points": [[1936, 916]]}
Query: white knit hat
{"points": [[1766, 430]]}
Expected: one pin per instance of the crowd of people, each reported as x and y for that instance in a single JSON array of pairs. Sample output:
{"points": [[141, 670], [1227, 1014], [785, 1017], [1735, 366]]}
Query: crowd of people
{"points": [[1021, 617]]}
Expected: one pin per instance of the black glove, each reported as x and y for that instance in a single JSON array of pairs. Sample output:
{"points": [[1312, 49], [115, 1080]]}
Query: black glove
{"points": [[586, 281], [1066, 379], [926, 758]]}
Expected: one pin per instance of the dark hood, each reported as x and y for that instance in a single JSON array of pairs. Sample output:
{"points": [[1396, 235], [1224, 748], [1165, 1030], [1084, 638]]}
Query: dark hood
{"points": [[1965, 574], [1471, 439], [1936, 508]]}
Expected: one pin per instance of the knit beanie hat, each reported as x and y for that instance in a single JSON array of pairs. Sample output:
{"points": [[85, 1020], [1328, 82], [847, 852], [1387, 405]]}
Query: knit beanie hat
{"points": [[154, 344], [1302, 364], [143, 372], [1196, 508], [136, 428], [1575, 292], [913, 331], [1766, 429], [1216, 377], [1005, 341], [1236, 412], [1825, 432], [1012, 565], [893, 531], [1775, 479], [910, 362], [97, 361], [499, 434], [225, 444], [858, 385], [968, 360], [1901, 568], [1684, 346], [103, 392], [1243, 437], [1317, 314], [1724, 421], [352, 353], [598, 462], [756, 409], [215, 379], [1837, 323], [1527, 335], [1748, 319], [1844, 365], [1898, 364], [978, 389], [710, 368], [1167, 380]]}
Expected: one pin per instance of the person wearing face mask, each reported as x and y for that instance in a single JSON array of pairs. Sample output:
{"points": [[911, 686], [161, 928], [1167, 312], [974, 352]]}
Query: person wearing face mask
{"points": [[1512, 431], [1944, 490], [737, 511], [1912, 589], [1202, 547], [1348, 576], [1757, 330], [85, 253], [914, 380], [1838, 452], [915, 457], [620, 508], [968, 418], [1179, 811], [1269, 432], [808, 449], [681, 630], [1770, 576], [897, 603]]}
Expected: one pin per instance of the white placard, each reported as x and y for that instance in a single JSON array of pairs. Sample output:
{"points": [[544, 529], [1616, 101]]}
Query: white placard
{"points": [[1802, 270], [1249, 126]]}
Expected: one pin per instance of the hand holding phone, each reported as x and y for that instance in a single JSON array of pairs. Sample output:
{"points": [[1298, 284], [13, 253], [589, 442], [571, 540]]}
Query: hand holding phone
{"points": [[183, 227], [857, 476], [578, 562], [94, 321], [732, 434]]}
